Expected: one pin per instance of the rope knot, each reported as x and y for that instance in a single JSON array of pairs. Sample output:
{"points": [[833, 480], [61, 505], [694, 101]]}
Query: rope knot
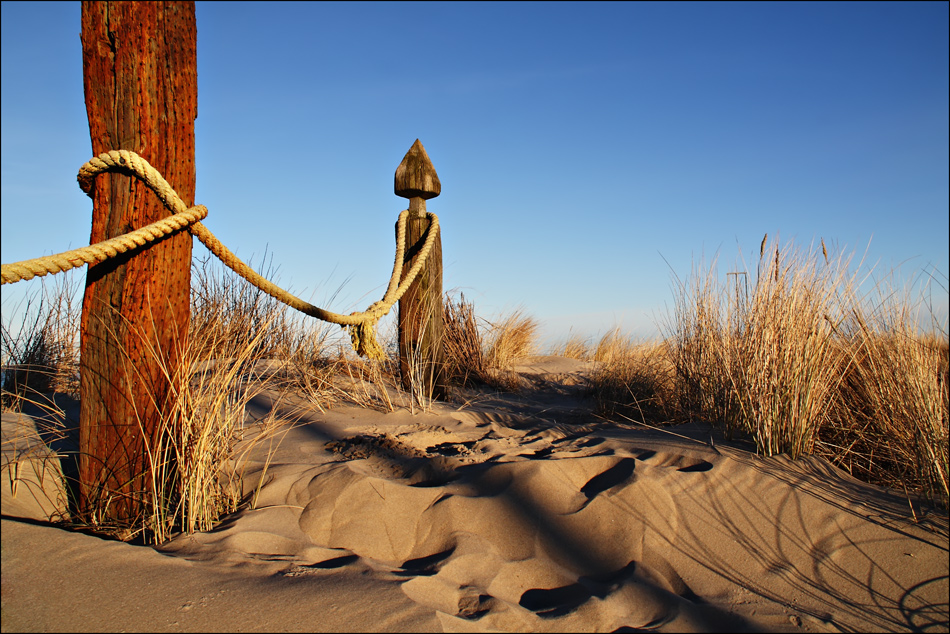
{"points": [[363, 336]]}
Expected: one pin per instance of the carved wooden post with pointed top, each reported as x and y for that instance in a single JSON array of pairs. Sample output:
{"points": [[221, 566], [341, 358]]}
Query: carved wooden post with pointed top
{"points": [[420, 309]]}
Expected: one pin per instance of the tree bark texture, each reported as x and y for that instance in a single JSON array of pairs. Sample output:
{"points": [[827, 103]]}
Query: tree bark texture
{"points": [[140, 81]]}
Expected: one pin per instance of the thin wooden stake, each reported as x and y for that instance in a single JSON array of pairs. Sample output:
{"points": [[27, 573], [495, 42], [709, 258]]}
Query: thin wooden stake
{"points": [[420, 309]]}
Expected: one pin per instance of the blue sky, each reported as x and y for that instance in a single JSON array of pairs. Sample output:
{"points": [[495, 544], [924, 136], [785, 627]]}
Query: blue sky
{"points": [[587, 152]]}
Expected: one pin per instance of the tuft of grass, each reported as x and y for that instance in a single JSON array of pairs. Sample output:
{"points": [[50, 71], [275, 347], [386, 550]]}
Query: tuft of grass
{"points": [[890, 423], [574, 347], [613, 347], [40, 355], [419, 356], [196, 468], [225, 307], [761, 360], [699, 383], [511, 339], [778, 352], [804, 363], [465, 362], [484, 353], [193, 473], [372, 384], [306, 369], [508, 341], [631, 380]]}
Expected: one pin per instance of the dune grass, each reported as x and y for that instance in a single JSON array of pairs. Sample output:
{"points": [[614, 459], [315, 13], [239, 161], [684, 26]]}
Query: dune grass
{"points": [[772, 365], [511, 339], [39, 375], [464, 349], [627, 378], [40, 355], [196, 466], [479, 351], [194, 462], [801, 362], [573, 347], [793, 357], [242, 345], [890, 421]]}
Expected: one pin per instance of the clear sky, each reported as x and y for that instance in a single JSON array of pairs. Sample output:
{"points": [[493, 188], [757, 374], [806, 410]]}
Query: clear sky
{"points": [[587, 151]]}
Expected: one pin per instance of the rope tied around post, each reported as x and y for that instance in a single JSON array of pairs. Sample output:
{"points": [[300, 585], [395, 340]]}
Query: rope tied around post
{"points": [[361, 326]]}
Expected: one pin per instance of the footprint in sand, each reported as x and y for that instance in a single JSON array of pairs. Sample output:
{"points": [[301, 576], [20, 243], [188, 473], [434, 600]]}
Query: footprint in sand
{"points": [[618, 474], [682, 463], [424, 566], [321, 566]]}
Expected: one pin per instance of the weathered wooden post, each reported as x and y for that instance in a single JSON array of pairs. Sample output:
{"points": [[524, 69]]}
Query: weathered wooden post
{"points": [[140, 80], [420, 309]]}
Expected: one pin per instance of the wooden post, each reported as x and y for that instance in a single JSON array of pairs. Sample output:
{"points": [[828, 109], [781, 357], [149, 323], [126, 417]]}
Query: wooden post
{"points": [[420, 309], [140, 81]]}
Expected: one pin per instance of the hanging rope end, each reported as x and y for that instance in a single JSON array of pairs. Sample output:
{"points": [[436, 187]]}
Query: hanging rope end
{"points": [[363, 336]]}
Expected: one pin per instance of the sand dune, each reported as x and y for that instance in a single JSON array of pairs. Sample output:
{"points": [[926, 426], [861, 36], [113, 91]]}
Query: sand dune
{"points": [[511, 513]]}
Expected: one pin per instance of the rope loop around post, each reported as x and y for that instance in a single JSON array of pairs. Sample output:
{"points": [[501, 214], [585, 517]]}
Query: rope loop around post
{"points": [[360, 325]]}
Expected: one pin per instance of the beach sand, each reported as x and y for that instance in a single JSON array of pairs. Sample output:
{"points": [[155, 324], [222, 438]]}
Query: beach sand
{"points": [[509, 512]]}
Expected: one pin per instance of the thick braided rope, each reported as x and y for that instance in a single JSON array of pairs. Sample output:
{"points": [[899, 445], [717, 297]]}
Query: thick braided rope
{"points": [[133, 165], [101, 251], [361, 325]]}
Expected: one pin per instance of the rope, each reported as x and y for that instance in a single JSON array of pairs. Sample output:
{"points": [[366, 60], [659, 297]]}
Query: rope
{"points": [[101, 251], [361, 325]]}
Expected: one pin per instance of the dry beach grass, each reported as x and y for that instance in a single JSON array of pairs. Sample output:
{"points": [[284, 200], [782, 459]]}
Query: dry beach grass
{"points": [[701, 482]]}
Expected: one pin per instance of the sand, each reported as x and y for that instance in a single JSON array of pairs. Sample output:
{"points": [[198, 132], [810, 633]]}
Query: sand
{"points": [[506, 513]]}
